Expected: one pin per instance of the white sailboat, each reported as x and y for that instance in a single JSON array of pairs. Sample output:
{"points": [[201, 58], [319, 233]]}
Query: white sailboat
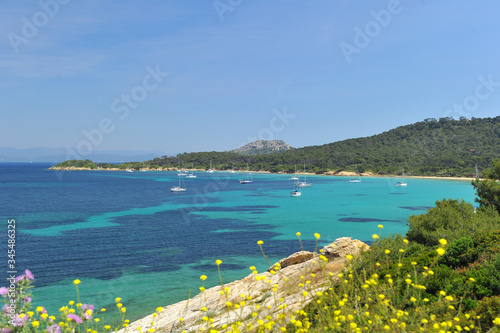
{"points": [[143, 168], [178, 188], [304, 183], [402, 183], [191, 175], [181, 172], [295, 174], [357, 179], [129, 169], [249, 178], [477, 173], [296, 192], [210, 170]]}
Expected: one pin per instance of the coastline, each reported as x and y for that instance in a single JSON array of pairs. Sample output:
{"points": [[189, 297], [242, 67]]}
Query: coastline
{"points": [[330, 173]]}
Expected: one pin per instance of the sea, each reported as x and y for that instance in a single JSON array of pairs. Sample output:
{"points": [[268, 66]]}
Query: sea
{"points": [[127, 235]]}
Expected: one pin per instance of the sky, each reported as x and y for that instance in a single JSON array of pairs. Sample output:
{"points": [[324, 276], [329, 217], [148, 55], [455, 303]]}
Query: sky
{"points": [[185, 76]]}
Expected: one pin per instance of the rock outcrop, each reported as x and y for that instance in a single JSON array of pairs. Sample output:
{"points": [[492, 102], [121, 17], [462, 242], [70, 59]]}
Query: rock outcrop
{"points": [[263, 147], [257, 295]]}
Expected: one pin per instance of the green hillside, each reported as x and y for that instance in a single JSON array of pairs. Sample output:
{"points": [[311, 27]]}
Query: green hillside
{"points": [[443, 147]]}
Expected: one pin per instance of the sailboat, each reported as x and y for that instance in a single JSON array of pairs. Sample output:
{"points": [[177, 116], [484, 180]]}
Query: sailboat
{"points": [[181, 172], [403, 183], [477, 173], [143, 169], [249, 178], [295, 174], [296, 192], [357, 179], [304, 183], [210, 170], [191, 175], [129, 169], [178, 188]]}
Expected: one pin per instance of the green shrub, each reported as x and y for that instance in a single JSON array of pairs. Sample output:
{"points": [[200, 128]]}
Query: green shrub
{"points": [[451, 219]]}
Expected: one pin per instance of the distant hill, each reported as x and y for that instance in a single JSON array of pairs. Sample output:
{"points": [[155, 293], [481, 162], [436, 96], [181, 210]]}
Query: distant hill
{"points": [[263, 147], [438, 147], [44, 154]]}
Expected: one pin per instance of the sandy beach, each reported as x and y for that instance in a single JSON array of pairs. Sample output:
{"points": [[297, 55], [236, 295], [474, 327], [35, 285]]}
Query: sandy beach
{"points": [[329, 173]]}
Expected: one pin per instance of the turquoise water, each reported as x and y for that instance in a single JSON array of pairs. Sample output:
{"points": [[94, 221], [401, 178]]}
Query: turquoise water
{"points": [[126, 235]]}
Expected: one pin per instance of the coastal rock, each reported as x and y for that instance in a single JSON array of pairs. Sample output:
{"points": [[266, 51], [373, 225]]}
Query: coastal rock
{"points": [[267, 291], [344, 246], [296, 258], [262, 147], [345, 173]]}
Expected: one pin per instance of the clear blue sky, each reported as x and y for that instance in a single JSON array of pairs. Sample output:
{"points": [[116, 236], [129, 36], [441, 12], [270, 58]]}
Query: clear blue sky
{"points": [[339, 69]]}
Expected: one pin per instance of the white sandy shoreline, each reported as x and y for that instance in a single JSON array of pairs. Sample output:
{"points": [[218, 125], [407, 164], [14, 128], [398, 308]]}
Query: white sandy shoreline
{"points": [[342, 174]]}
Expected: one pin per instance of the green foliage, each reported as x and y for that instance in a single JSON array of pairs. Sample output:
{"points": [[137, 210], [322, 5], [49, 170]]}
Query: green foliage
{"points": [[459, 253], [488, 190], [78, 164], [488, 309], [442, 148], [450, 219]]}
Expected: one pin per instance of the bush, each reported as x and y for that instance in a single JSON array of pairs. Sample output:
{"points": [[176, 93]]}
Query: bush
{"points": [[451, 219]]}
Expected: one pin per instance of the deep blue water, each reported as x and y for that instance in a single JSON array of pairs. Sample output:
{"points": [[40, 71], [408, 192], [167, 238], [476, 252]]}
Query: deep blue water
{"points": [[126, 235]]}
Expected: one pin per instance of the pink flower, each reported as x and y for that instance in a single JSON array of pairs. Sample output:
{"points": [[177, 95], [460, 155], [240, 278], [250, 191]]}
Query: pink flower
{"points": [[54, 329], [87, 307], [18, 321], [29, 275], [6, 309], [19, 278], [77, 319], [4, 291]]}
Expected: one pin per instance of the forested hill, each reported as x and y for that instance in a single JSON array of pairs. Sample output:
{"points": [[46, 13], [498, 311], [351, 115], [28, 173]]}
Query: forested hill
{"points": [[443, 147]]}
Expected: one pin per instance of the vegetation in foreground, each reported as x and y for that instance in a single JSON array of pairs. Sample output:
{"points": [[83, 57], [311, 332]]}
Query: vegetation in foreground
{"points": [[443, 277]]}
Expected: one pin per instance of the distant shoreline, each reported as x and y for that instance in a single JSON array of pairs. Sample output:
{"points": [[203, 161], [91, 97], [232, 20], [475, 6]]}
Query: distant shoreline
{"points": [[341, 174]]}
